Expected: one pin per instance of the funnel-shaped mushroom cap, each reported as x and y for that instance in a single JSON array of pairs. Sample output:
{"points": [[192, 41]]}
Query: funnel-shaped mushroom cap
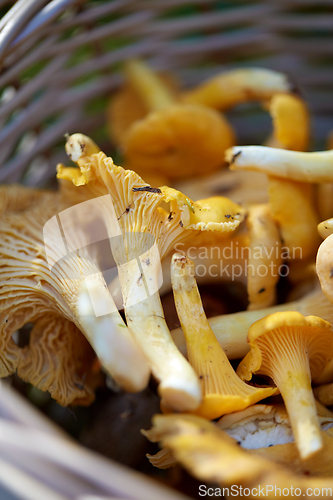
{"points": [[179, 141], [58, 358], [223, 391], [294, 165], [235, 87], [291, 122], [139, 216], [263, 271], [292, 206], [290, 348]]}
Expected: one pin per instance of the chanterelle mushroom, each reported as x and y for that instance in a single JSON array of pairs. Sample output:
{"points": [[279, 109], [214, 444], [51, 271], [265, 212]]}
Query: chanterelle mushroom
{"points": [[175, 139], [58, 358], [33, 286], [291, 348], [141, 218], [292, 207], [234, 87], [223, 391], [291, 122], [212, 456]]}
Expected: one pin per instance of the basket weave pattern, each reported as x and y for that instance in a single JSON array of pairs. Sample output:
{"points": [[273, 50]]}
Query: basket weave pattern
{"points": [[61, 59]]}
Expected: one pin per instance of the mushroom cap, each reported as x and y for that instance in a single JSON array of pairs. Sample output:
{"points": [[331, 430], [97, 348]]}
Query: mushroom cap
{"points": [[57, 356], [317, 332], [179, 141], [291, 121], [126, 107], [217, 214], [140, 208]]}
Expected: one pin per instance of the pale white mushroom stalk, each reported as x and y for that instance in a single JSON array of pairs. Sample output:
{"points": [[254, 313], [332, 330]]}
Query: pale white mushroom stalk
{"points": [[120, 355], [74, 262], [241, 85], [231, 329], [145, 233], [294, 165]]}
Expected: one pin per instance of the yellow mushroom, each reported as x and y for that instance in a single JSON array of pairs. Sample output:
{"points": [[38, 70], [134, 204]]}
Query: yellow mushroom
{"points": [[263, 267], [293, 165], [291, 122], [128, 104], [223, 391], [39, 278], [174, 139], [58, 358], [231, 329], [292, 207], [211, 456], [147, 232], [264, 430], [290, 349], [228, 89]]}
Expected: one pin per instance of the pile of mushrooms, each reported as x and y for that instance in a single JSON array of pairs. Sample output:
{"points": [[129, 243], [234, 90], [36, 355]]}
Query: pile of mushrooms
{"points": [[73, 258]]}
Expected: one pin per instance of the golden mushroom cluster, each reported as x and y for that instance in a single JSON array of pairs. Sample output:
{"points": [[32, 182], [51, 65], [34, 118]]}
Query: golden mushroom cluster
{"points": [[244, 397]]}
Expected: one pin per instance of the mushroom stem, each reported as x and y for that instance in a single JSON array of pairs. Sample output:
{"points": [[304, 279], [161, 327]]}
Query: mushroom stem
{"points": [[291, 374], [234, 87], [106, 331], [179, 386], [231, 329], [294, 165], [223, 390], [151, 89]]}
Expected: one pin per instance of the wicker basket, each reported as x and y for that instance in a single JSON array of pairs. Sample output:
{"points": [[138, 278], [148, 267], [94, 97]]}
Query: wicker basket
{"points": [[61, 59]]}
